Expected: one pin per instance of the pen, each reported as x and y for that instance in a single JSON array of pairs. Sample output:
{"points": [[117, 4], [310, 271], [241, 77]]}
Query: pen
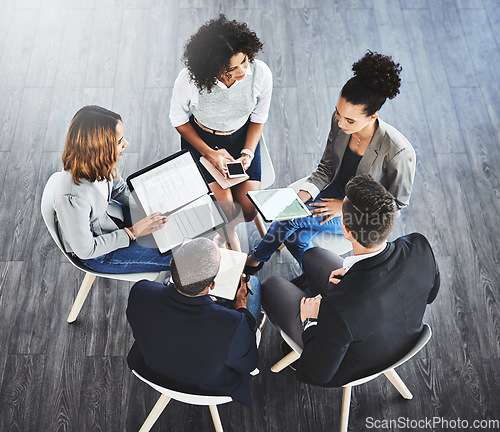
{"points": [[249, 290]]}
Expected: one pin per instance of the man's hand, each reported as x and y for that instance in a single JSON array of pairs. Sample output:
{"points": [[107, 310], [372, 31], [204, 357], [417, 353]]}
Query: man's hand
{"points": [[309, 308], [333, 276], [330, 207], [240, 301]]}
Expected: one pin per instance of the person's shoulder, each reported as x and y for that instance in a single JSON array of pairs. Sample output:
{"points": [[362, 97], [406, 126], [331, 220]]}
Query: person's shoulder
{"points": [[145, 289], [414, 240], [262, 68], [393, 138]]}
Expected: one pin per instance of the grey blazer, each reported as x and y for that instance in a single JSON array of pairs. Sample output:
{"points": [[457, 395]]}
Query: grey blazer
{"points": [[84, 226], [389, 159]]}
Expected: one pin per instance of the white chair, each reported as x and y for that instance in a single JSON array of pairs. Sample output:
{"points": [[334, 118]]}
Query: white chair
{"points": [[48, 214], [267, 179], [167, 395], [336, 243], [389, 372]]}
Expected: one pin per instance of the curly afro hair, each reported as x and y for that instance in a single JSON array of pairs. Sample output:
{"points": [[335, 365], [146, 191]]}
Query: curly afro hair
{"points": [[208, 52], [376, 79]]}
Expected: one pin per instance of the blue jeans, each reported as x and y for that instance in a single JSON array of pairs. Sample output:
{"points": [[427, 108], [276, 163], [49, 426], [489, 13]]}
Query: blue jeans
{"points": [[253, 304], [132, 259], [297, 234]]}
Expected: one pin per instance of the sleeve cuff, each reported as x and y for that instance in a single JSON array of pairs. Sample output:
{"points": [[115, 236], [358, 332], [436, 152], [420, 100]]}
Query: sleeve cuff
{"points": [[312, 189], [313, 323]]}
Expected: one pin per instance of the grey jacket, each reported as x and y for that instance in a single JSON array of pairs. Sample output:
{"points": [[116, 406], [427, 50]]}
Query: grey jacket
{"points": [[84, 225], [389, 159]]}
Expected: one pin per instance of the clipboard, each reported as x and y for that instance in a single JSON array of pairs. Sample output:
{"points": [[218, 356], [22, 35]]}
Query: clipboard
{"points": [[175, 187], [278, 204]]}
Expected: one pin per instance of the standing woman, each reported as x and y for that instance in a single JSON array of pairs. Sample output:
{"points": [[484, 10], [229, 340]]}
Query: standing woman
{"points": [[359, 143], [92, 200], [220, 103]]}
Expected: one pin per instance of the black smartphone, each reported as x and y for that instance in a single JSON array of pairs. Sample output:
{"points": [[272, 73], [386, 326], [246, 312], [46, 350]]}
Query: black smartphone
{"points": [[235, 169]]}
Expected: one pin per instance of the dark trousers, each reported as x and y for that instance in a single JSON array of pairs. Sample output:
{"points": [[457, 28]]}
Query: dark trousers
{"points": [[281, 299]]}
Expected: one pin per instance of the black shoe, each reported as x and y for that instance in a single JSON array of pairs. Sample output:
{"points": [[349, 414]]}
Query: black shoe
{"points": [[251, 270], [300, 282], [285, 350]]}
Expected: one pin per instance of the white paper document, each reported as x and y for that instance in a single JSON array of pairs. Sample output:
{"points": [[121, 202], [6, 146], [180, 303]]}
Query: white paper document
{"points": [[170, 185], [228, 278], [187, 223]]}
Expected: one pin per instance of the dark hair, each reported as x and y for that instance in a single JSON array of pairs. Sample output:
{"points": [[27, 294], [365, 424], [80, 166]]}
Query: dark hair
{"points": [[369, 210], [194, 266], [90, 149], [376, 78], [208, 52]]}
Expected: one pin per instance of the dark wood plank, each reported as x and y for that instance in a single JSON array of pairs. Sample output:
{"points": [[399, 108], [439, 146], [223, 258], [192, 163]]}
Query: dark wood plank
{"points": [[486, 59], [70, 78], [22, 172], [159, 139], [314, 102], [104, 48], [64, 364], [131, 70], [431, 75], [46, 49], [20, 393], [162, 58], [13, 68], [393, 37], [100, 397], [452, 43]]}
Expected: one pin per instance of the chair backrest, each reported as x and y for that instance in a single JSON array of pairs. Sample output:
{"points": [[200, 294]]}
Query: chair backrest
{"points": [[49, 214], [421, 342], [186, 397], [268, 175]]}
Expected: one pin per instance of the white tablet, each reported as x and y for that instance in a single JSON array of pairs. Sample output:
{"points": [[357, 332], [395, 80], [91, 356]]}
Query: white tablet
{"points": [[278, 204]]}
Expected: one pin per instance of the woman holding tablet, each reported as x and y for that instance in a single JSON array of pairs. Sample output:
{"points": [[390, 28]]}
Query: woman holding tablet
{"points": [[220, 103], [92, 200], [359, 143]]}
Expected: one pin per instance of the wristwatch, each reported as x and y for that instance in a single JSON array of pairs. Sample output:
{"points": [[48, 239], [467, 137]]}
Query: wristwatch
{"points": [[308, 321]]}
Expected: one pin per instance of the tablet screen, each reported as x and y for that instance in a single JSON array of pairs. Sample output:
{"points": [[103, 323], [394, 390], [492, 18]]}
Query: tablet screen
{"points": [[279, 204]]}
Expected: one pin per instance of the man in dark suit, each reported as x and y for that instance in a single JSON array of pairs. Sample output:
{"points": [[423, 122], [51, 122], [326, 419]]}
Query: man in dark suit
{"points": [[184, 340], [372, 304]]}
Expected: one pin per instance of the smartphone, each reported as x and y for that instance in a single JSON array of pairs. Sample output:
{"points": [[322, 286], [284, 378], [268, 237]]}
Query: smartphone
{"points": [[235, 169]]}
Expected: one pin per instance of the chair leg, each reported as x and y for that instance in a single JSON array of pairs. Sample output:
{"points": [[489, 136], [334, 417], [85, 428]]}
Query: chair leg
{"points": [[261, 227], [259, 223], [397, 382], [155, 413], [88, 280], [285, 361], [216, 418], [346, 405]]}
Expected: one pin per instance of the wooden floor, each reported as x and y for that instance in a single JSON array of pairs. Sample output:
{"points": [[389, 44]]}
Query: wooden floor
{"points": [[58, 55]]}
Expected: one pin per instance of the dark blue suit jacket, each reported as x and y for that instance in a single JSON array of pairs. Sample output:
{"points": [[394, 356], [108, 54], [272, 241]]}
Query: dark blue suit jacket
{"points": [[373, 316], [191, 344]]}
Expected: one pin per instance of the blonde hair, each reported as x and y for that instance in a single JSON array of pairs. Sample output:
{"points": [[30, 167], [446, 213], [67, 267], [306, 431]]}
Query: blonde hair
{"points": [[90, 151]]}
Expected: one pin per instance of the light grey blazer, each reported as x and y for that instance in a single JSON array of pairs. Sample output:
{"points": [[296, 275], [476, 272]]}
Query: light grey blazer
{"points": [[84, 226], [390, 159]]}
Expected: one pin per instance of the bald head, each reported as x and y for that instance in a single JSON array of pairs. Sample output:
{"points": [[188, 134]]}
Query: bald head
{"points": [[195, 265]]}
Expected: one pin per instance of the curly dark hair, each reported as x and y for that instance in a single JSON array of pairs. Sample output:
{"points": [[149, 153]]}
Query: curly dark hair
{"points": [[208, 52], [368, 211], [376, 79]]}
